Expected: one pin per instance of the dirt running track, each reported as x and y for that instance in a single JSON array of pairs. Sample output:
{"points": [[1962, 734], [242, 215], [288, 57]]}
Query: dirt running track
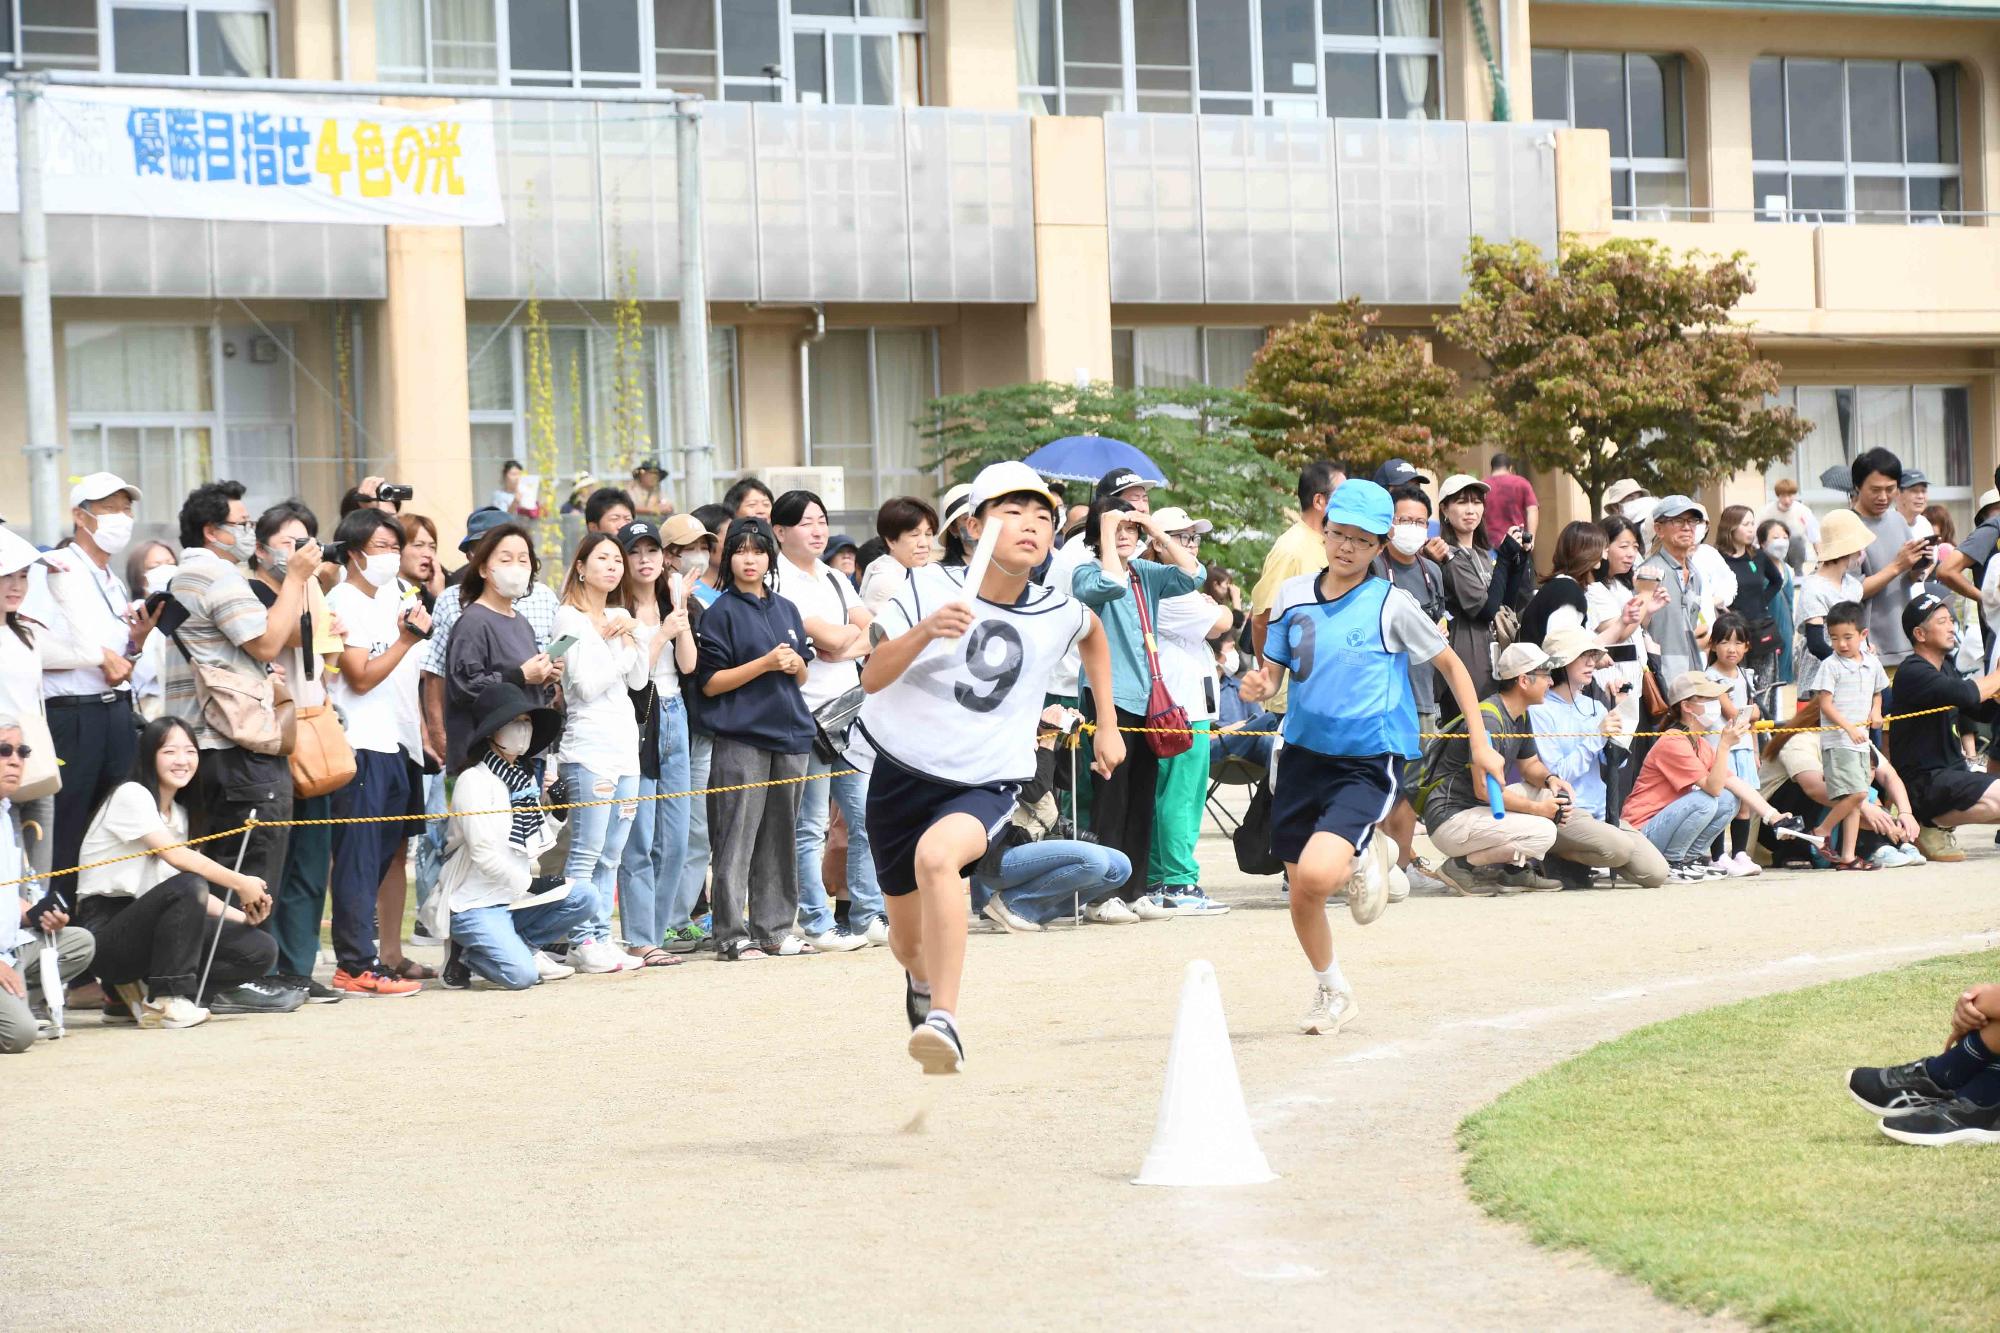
{"points": [[732, 1146]]}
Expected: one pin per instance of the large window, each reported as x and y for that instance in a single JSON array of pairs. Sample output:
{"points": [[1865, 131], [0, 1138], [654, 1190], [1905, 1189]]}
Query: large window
{"points": [[1855, 140], [1175, 356], [585, 376], [214, 38], [862, 52], [1373, 59], [866, 392], [1638, 99], [1927, 426]]}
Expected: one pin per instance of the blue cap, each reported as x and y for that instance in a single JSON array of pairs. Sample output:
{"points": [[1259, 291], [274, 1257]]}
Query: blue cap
{"points": [[1362, 504]]}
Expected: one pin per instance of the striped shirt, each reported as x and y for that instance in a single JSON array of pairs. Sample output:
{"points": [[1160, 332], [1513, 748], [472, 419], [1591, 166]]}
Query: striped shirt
{"points": [[223, 615], [538, 608]]}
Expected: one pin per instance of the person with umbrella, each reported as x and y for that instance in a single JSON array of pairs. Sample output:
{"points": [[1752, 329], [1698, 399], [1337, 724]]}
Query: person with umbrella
{"points": [[37, 928]]}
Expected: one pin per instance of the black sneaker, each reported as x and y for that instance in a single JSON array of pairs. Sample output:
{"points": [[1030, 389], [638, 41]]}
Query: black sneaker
{"points": [[1955, 1121], [935, 1046], [262, 995], [314, 992], [915, 1007], [1896, 1090], [1468, 880], [1525, 879], [456, 975]]}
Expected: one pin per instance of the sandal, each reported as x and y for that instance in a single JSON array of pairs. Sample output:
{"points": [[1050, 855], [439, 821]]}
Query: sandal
{"points": [[657, 957], [1852, 863], [742, 953], [412, 970]]}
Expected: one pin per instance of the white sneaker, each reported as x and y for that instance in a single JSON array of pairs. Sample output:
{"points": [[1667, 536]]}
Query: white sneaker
{"points": [[1421, 878], [878, 931], [599, 957], [1007, 918], [1725, 867], [1911, 856], [790, 947], [1149, 908], [832, 941], [1331, 1011], [548, 969], [1745, 865], [176, 1011], [1110, 912], [1399, 884], [1368, 886]]}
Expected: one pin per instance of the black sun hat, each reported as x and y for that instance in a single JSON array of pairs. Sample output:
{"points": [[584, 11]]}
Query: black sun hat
{"points": [[500, 704]]}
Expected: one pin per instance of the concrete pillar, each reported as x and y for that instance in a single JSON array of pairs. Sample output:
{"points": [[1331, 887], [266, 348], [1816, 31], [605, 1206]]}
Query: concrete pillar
{"points": [[773, 427], [972, 56], [1725, 102], [307, 40], [419, 401], [1069, 326], [986, 347], [1583, 182]]}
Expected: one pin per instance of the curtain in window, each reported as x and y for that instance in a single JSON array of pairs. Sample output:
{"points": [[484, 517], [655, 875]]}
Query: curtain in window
{"points": [[1167, 358], [1830, 411], [245, 40], [465, 47], [137, 369], [903, 393], [399, 38], [1412, 73], [1885, 423], [1230, 352]]}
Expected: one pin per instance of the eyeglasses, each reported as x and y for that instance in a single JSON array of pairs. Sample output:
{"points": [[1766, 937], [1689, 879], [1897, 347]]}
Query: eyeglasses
{"points": [[1191, 540], [8, 751], [1352, 543]]}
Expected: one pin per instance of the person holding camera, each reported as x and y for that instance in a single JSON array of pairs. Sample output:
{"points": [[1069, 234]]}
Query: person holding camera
{"points": [[382, 631]]}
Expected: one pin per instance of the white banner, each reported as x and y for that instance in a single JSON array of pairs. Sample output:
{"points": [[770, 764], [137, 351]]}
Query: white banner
{"points": [[147, 153]]}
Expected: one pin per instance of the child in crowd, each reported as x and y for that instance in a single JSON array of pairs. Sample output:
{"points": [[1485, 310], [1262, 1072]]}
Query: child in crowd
{"points": [[1849, 686], [1728, 644], [1951, 1097], [1842, 540]]}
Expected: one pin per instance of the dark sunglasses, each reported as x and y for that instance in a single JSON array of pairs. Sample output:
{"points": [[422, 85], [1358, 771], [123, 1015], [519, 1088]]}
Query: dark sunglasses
{"points": [[8, 751]]}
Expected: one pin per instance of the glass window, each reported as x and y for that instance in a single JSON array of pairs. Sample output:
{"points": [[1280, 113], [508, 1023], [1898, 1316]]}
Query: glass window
{"points": [[1551, 84], [61, 33], [233, 45], [867, 391], [149, 41], [1855, 141], [607, 36], [1172, 356], [684, 48], [1639, 101], [231, 41], [1291, 47], [1926, 426]]}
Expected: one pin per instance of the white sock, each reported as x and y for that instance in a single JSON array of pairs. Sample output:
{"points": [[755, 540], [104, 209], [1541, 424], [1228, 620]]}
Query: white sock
{"points": [[1333, 977], [945, 1014], [922, 988]]}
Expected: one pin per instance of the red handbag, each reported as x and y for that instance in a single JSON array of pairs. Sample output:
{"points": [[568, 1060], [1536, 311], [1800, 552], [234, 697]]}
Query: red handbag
{"points": [[1174, 735]]}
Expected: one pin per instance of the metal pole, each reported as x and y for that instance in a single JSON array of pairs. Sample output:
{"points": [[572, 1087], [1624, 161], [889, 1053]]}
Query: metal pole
{"points": [[693, 367], [457, 92], [43, 451]]}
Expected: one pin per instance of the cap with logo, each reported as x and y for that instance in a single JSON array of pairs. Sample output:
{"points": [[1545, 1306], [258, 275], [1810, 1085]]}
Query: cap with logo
{"points": [[1694, 685], [1399, 472], [1010, 478], [638, 530], [1121, 479], [1677, 506], [1361, 504], [1459, 482], [100, 486], [1920, 609], [1912, 479], [1519, 659], [1842, 533], [1175, 519]]}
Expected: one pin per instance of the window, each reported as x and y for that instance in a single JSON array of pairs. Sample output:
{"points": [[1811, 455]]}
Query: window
{"points": [[866, 392], [230, 39], [1928, 427], [1374, 59], [51, 34], [866, 52], [1639, 100], [1855, 140], [496, 359], [1174, 356]]}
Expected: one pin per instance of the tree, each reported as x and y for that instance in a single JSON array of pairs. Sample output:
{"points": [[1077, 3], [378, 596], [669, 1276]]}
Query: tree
{"points": [[1620, 360], [1344, 391], [1217, 463]]}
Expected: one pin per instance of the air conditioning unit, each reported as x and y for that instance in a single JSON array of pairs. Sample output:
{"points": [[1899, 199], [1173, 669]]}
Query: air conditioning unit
{"points": [[828, 483]]}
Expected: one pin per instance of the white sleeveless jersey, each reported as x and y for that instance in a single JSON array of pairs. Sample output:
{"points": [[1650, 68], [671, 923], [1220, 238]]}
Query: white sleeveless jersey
{"points": [[965, 712]]}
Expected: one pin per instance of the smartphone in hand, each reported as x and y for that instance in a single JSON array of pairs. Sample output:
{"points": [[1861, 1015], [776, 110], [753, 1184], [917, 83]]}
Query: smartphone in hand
{"points": [[558, 646]]}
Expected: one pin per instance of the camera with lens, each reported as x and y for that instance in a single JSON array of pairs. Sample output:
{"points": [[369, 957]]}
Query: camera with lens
{"points": [[395, 494]]}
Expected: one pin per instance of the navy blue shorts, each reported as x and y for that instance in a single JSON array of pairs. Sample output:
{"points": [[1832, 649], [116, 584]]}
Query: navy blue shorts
{"points": [[902, 807], [1338, 794]]}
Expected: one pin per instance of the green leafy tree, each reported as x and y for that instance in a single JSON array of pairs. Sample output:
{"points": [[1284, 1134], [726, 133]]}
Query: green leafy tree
{"points": [[1217, 462], [1344, 391], [1621, 360]]}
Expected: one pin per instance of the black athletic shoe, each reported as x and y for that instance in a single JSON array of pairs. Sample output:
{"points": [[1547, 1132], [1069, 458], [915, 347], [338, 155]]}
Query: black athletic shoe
{"points": [[1897, 1090], [314, 992], [456, 975], [915, 1007], [1955, 1121], [263, 995], [935, 1046]]}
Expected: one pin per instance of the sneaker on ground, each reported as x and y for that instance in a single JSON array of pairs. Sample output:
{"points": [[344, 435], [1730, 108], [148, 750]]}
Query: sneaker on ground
{"points": [[1526, 879], [548, 969], [261, 995], [1007, 918], [315, 993], [455, 975], [1192, 900], [916, 1007], [1940, 844], [1896, 1089], [1888, 857], [878, 931], [373, 981], [1687, 872], [1399, 884], [1422, 877], [601, 957], [116, 1015], [1744, 865], [789, 947], [1911, 856], [1725, 867], [176, 1011], [1955, 1121], [1331, 1011], [1110, 912], [685, 939], [1368, 886], [1148, 908], [935, 1046], [1468, 880], [832, 941]]}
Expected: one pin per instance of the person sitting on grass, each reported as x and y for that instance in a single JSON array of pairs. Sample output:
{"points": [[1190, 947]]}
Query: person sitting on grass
{"points": [[1951, 1097], [1849, 688], [496, 911]]}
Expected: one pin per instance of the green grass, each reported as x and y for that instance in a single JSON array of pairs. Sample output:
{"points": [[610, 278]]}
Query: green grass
{"points": [[1719, 1159]]}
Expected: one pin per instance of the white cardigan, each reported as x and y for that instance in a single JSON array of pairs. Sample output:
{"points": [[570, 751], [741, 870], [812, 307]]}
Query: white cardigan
{"points": [[482, 867]]}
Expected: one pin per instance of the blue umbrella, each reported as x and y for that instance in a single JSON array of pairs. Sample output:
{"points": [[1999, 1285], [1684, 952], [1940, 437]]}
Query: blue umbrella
{"points": [[1089, 457]]}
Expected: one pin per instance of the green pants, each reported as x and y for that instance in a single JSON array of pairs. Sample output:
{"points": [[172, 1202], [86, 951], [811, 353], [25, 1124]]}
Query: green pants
{"points": [[1180, 796], [298, 901]]}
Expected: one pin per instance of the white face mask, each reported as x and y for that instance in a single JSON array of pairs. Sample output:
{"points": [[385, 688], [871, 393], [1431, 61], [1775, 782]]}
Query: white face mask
{"points": [[511, 582], [381, 566], [1231, 660], [1640, 508], [513, 739], [694, 564], [1778, 548], [159, 576], [1408, 538], [1700, 533], [114, 533]]}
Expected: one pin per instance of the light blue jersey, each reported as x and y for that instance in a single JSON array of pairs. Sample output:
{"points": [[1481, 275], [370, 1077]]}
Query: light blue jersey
{"points": [[1350, 662]]}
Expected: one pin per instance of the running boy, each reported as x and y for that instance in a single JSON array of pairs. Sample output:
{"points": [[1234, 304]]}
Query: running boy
{"points": [[953, 726], [1349, 642], [1849, 686]]}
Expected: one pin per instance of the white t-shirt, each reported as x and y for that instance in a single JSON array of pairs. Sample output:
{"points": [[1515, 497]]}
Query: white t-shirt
{"points": [[600, 731], [371, 622], [965, 711], [405, 680], [821, 593], [1185, 660], [116, 830], [883, 579], [1063, 565]]}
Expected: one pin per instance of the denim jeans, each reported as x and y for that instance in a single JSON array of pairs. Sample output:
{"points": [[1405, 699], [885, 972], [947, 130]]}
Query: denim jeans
{"points": [[650, 875], [362, 852], [597, 835], [1690, 823], [694, 871], [428, 859], [500, 945], [815, 803], [1044, 880]]}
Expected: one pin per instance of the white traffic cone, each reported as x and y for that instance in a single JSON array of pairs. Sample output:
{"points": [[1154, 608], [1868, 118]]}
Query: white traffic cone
{"points": [[1203, 1135]]}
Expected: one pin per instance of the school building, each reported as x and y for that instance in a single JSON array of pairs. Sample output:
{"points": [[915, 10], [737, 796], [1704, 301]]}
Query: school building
{"points": [[908, 197]]}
